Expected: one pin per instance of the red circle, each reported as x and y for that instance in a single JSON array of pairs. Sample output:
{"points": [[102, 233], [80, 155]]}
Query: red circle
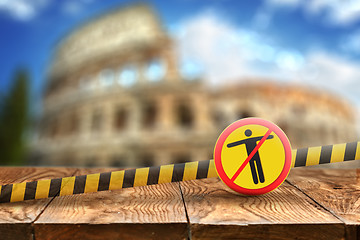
{"points": [[219, 145]]}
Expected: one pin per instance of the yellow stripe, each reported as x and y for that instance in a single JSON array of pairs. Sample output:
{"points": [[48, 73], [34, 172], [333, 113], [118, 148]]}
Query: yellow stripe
{"points": [[0, 189], [92, 182], [42, 189], [313, 156], [116, 180], [67, 186], [357, 155], [338, 153], [293, 157], [165, 174], [141, 176], [190, 171], [18, 192], [212, 171]]}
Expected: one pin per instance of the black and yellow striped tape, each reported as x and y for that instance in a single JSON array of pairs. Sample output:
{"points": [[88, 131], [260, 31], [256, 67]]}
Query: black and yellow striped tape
{"points": [[325, 154], [107, 181], [160, 174]]}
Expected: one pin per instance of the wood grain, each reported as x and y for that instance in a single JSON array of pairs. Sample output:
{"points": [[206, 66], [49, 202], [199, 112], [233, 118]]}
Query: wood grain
{"points": [[338, 190], [84, 171], [111, 231], [27, 174], [216, 212], [150, 212], [313, 204], [16, 218]]}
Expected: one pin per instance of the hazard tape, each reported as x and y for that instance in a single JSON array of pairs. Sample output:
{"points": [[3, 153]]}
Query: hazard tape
{"points": [[160, 174], [107, 181], [325, 154]]}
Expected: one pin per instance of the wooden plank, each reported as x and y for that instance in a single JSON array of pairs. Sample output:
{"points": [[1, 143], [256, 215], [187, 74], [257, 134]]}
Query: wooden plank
{"points": [[338, 190], [110, 231], [84, 171], [150, 212], [217, 212], [16, 218], [26, 174]]}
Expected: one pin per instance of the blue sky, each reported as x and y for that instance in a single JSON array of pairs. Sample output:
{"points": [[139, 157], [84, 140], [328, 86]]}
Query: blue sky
{"points": [[315, 42]]}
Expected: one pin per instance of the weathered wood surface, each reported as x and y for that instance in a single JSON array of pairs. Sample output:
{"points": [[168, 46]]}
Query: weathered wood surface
{"points": [[337, 190], [311, 204], [16, 218], [285, 213], [150, 212]]}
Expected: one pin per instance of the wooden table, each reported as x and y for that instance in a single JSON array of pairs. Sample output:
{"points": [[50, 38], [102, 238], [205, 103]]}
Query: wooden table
{"points": [[311, 204]]}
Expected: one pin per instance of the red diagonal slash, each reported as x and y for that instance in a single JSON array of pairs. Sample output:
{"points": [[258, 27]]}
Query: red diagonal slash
{"points": [[251, 155]]}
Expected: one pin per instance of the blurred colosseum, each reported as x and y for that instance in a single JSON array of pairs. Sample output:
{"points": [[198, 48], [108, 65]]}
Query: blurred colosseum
{"points": [[114, 97]]}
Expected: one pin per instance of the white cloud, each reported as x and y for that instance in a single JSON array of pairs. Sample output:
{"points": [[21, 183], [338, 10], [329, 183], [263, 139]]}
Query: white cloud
{"points": [[333, 72], [289, 60], [319, 69], [22, 10], [206, 40], [25, 10], [220, 50], [73, 7], [228, 53], [285, 3], [351, 43], [337, 12]]}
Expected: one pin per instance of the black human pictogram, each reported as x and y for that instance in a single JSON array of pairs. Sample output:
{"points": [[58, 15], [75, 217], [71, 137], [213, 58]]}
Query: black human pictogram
{"points": [[250, 144]]}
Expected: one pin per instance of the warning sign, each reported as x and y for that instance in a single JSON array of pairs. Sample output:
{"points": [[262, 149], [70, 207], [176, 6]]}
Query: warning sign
{"points": [[253, 156]]}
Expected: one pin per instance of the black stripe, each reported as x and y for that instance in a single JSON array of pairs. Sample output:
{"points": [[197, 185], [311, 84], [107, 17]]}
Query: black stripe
{"points": [[301, 156], [129, 178], [30, 190], [104, 181], [203, 169], [350, 151], [178, 172], [55, 186], [325, 155], [153, 177], [5, 195], [79, 185]]}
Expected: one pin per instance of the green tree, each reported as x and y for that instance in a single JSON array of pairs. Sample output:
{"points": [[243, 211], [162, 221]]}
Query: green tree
{"points": [[14, 121]]}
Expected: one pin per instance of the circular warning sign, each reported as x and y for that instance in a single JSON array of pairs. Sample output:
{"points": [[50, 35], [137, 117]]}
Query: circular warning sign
{"points": [[252, 156]]}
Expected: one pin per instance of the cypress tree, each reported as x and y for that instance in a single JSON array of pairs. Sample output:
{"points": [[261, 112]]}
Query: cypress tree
{"points": [[14, 121]]}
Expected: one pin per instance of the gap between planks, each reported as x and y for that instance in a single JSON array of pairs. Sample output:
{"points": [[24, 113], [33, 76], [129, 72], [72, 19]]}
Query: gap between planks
{"points": [[323, 207], [319, 204], [186, 213], [42, 211], [79, 170]]}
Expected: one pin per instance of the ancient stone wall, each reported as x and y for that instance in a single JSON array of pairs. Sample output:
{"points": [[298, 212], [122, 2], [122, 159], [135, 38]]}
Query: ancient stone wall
{"points": [[114, 97]]}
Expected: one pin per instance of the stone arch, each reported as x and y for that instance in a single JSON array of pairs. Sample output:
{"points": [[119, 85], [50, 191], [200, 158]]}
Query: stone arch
{"points": [[185, 115], [181, 157], [149, 114], [147, 159], [118, 160], [121, 118]]}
